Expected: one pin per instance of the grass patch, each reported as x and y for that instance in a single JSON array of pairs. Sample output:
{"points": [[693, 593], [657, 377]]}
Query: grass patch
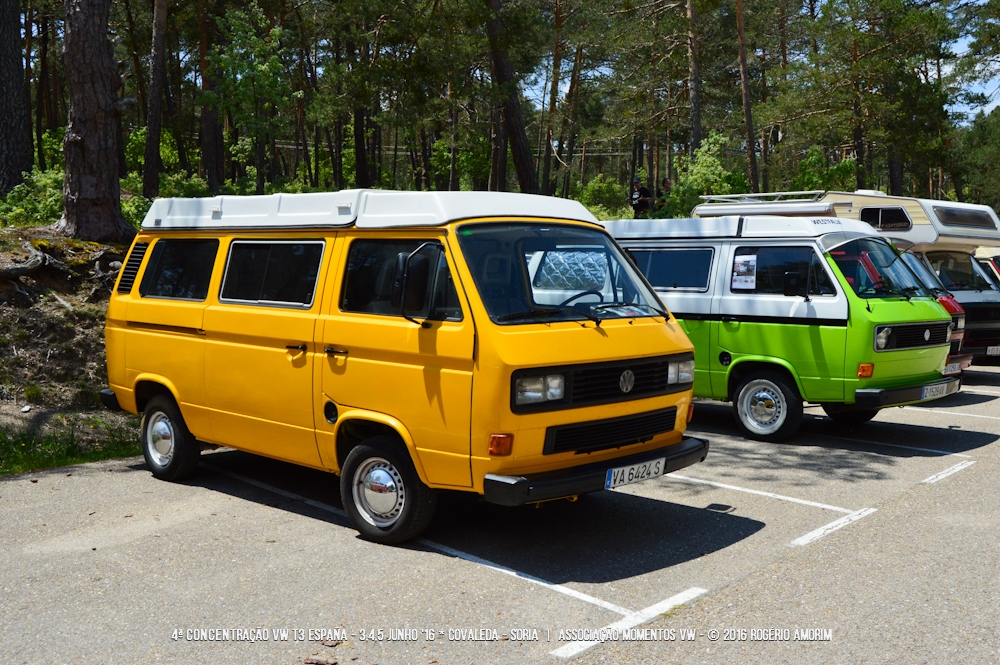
{"points": [[30, 450]]}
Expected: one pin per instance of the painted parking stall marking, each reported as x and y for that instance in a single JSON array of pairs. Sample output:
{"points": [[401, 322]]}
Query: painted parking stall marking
{"points": [[949, 471], [813, 536]]}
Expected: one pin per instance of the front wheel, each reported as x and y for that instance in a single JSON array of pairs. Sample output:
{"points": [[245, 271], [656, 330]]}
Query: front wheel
{"points": [[382, 494], [767, 406], [853, 417]]}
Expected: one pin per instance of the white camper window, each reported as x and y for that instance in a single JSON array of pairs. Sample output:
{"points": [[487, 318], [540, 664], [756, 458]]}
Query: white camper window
{"points": [[967, 217], [887, 218]]}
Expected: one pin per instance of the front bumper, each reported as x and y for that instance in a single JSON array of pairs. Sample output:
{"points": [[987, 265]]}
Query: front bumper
{"points": [[519, 490], [875, 398], [963, 360]]}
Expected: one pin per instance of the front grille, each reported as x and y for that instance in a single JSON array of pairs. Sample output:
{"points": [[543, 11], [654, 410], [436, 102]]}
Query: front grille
{"points": [[131, 268], [981, 313], [598, 383], [612, 433], [917, 335]]}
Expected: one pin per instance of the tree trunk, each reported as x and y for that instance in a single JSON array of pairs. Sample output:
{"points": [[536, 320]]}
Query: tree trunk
{"points": [[15, 117], [895, 172], [361, 180], [503, 78], [694, 78], [859, 136], [91, 192], [157, 73], [176, 113], [548, 188], [140, 79], [29, 20], [212, 145], [751, 138]]}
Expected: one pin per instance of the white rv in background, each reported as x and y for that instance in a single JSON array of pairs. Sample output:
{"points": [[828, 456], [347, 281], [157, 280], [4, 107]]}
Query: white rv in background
{"points": [[944, 234]]}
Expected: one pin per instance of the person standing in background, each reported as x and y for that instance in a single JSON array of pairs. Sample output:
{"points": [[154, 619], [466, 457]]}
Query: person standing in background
{"points": [[639, 199], [663, 193]]}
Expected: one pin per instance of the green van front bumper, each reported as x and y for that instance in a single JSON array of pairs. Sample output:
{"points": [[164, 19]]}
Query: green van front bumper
{"points": [[877, 398]]}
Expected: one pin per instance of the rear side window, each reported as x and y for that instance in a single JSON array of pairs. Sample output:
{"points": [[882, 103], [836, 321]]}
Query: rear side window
{"points": [[278, 273], [890, 218], [676, 268], [179, 269], [967, 217], [369, 276], [762, 270]]}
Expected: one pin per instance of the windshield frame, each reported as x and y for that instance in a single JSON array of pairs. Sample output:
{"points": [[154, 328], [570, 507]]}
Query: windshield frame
{"points": [[878, 274], [638, 298]]}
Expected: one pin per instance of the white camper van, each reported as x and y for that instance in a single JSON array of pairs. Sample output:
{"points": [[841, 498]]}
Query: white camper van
{"points": [[945, 234]]}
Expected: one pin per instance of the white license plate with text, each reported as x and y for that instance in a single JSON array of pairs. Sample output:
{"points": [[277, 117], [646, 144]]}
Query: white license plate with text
{"points": [[952, 368], [635, 473], [993, 350], [931, 392]]}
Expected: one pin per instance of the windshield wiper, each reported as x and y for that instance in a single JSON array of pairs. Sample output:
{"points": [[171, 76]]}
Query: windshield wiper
{"points": [[608, 305], [538, 312], [906, 291]]}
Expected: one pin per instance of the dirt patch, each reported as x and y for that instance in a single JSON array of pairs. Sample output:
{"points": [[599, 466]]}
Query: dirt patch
{"points": [[52, 319]]}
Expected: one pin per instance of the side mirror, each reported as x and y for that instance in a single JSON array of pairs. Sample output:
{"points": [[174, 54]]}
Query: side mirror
{"points": [[409, 282], [793, 284]]}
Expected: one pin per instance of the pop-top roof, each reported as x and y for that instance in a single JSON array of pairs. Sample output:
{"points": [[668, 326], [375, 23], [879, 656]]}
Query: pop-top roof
{"points": [[733, 226], [364, 208]]}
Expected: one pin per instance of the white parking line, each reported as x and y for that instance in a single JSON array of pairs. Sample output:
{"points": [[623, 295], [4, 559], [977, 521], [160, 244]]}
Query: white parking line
{"points": [[813, 536], [631, 621], [947, 472], [437, 546], [674, 476], [950, 413], [892, 445], [980, 391]]}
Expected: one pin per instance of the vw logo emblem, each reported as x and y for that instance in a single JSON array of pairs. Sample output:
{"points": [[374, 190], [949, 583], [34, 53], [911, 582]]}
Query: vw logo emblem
{"points": [[927, 335], [626, 381]]}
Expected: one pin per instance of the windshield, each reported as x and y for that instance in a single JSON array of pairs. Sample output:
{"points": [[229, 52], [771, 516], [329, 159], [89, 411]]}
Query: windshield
{"points": [[874, 270], [926, 276], [527, 273], [958, 271]]}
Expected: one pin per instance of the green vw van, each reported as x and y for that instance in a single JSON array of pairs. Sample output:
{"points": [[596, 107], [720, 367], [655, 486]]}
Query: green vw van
{"points": [[788, 310]]}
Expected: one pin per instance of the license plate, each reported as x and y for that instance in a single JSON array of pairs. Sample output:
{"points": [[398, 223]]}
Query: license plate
{"points": [[993, 350], [624, 475], [952, 368], [931, 392]]}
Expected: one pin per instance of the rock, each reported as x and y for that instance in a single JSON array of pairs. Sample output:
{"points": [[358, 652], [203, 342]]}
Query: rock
{"points": [[25, 409]]}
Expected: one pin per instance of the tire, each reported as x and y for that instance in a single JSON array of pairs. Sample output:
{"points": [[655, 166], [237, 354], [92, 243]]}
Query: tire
{"points": [[767, 406], [852, 417], [376, 515], [171, 451]]}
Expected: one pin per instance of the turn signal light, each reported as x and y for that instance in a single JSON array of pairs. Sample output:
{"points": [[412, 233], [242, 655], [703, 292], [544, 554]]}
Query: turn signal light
{"points": [[690, 411], [865, 370], [501, 444]]}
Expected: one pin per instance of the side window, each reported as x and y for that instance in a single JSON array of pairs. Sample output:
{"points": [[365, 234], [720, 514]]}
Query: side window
{"points": [[179, 269], [762, 270], [272, 272], [687, 269], [890, 218], [369, 274]]}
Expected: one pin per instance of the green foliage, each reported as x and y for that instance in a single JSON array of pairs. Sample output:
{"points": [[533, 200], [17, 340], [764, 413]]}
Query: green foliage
{"points": [[816, 172], [35, 202], [30, 450], [705, 174], [980, 146], [605, 194], [135, 151]]}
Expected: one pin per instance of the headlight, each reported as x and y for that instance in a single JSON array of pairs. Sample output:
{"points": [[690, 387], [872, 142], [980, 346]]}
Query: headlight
{"points": [[682, 372], [882, 338], [536, 389], [959, 323]]}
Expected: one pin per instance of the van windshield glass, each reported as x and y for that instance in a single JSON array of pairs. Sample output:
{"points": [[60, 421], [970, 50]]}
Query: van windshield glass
{"points": [[927, 277], [958, 271], [875, 270], [529, 273]]}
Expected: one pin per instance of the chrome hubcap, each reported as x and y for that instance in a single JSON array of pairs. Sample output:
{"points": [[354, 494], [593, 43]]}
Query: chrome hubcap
{"points": [[762, 407], [378, 492], [160, 439]]}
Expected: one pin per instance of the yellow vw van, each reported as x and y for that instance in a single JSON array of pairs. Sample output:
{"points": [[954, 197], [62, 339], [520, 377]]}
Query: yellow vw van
{"points": [[407, 341]]}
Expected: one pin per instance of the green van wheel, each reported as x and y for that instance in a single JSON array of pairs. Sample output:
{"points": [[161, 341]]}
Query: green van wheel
{"points": [[767, 406]]}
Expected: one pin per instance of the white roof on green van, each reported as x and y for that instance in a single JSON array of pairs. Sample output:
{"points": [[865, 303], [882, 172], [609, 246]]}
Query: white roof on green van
{"points": [[364, 208], [733, 226]]}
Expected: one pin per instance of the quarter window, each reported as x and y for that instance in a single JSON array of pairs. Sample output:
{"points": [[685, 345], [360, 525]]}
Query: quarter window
{"points": [[179, 269], [762, 270], [890, 218], [676, 268], [272, 273], [369, 277]]}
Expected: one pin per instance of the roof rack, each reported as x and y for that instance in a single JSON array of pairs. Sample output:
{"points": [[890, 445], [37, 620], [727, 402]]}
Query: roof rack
{"points": [[767, 197]]}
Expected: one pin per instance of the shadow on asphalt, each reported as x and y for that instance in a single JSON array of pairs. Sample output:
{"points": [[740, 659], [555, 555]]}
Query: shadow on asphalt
{"points": [[602, 537]]}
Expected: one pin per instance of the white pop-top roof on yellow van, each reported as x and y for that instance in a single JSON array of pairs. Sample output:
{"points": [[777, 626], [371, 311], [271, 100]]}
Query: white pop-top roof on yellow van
{"points": [[364, 208], [733, 226]]}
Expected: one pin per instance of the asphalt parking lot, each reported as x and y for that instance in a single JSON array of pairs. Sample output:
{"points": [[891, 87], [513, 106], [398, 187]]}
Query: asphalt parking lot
{"points": [[877, 543]]}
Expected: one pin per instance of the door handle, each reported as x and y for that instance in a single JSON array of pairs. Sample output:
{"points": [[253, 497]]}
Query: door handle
{"points": [[729, 318], [296, 347], [331, 351]]}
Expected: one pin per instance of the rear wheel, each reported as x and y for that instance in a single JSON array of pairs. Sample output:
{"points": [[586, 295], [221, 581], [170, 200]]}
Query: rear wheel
{"points": [[852, 417], [171, 451], [767, 406], [382, 494]]}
